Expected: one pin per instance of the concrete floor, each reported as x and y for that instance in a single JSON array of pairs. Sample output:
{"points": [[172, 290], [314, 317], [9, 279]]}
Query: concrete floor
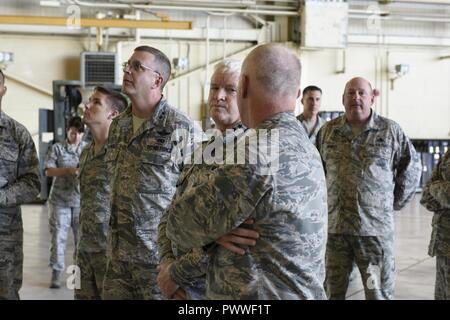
{"points": [[36, 272], [415, 269]]}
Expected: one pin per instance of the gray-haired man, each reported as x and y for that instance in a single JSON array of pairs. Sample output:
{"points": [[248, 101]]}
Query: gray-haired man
{"points": [[287, 201]]}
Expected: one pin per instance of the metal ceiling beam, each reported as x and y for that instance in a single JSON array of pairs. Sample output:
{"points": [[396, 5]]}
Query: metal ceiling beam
{"points": [[99, 23], [444, 2], [110, 5]]}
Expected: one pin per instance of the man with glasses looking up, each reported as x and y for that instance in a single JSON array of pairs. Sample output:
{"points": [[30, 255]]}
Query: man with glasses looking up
{"points": [[140, 146]]}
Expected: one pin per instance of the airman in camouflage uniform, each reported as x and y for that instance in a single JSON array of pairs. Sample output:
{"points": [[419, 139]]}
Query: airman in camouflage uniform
{"points": [[310, 119], [102, 107], [19, 184], [183, 274], [62, 164], [141, 143], [436, 198], [287, 201], [372, 169]]}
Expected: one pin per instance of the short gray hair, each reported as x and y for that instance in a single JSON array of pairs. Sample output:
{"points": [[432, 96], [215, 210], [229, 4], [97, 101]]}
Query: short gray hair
{"points": [[163, 62], [229, 66]]}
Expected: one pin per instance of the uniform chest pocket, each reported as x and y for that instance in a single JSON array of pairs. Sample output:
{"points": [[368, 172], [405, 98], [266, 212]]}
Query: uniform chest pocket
{"points": [[111, 155], [333, 156], [379, 154], [9, 154], [6, 219], [8, 164], [332, 151], [377, 161], [156, 172], [111, 158]]}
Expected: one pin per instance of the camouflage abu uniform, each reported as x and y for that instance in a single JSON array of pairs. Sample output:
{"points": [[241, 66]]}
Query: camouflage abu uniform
{"points": [[368, 177], [188, 268], [94, 219], [143, 183], [290, 213], [436, 198], [63, 201], [19, 183], [313, 135]]}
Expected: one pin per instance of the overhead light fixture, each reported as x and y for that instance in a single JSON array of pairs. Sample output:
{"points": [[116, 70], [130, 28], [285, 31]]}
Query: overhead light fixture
{"points": [[50, 3]]}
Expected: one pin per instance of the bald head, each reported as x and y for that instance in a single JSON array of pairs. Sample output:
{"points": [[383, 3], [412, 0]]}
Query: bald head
{"points": [[358, 80], [276, 69], [269, 83], [358, 99]]}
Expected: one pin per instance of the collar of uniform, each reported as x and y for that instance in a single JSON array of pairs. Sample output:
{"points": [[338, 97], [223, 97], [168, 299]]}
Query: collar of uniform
{"points": [[239, 125], [66, 145], [230, 135], [125, 119], [275, 119], [373, 123], [227, 134], [320, 120], [92, 153], [158, 118], [3, 119], [301, 117], [88, 154]]}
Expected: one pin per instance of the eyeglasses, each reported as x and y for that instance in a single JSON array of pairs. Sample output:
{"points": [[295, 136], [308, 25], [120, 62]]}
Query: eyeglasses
{"points": [[137, 66]]}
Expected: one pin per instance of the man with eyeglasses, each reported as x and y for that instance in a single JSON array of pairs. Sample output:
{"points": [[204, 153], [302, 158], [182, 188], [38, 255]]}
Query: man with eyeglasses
{"points": [[141, 144]]}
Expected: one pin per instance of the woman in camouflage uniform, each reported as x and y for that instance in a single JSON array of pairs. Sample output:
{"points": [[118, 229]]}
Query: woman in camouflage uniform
{"points": [[64, 200]]}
